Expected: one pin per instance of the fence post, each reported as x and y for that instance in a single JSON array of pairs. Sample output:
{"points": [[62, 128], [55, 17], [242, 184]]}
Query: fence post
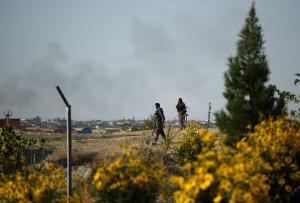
{"points": [[69, 143]]}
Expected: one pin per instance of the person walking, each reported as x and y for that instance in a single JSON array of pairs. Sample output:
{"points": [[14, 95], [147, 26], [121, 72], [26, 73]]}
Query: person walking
{"points": [[181, 110], [159, 122]]}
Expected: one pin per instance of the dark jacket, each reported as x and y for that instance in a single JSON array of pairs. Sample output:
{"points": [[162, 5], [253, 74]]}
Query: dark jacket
{"points": [[181, 107], [159, 116]]}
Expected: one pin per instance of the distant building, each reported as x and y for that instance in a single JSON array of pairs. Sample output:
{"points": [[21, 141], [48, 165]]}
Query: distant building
{"points": [[37, 120], [14, 122]]}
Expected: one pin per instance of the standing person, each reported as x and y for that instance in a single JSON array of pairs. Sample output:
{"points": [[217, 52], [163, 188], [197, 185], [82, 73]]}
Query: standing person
{"points": [[159, 122], [181, 110]]}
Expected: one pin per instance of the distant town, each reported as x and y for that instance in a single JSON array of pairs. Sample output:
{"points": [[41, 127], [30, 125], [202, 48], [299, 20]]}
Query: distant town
{"points": [[58, 125]]}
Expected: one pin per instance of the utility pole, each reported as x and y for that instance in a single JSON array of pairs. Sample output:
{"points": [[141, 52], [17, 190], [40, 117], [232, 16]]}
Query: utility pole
{"points": [[69, 143], [7, 115], [208, 116]]}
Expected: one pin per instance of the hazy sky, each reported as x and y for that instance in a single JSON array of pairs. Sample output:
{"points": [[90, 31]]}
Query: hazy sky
{"points": [[115, 59]]}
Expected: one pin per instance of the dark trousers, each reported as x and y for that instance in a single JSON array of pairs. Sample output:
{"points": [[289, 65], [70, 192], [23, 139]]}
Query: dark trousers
{"points": [[181, 116], [159, 130]]}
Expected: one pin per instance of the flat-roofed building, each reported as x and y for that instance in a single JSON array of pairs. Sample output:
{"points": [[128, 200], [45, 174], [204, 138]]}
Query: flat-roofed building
{"points": [[14, 122]]}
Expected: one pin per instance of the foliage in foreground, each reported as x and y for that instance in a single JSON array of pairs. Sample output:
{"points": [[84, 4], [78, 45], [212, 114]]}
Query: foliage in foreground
{"points": [[277, 142], [128, 179], [263, 168], [225, 176], [45, 185]]}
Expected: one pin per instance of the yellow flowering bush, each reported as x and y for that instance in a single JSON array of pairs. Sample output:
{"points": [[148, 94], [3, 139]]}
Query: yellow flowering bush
{"points": [[278, 143], [264, 167], [222, 176], [46, 185], [128, 179], [191, 143]]}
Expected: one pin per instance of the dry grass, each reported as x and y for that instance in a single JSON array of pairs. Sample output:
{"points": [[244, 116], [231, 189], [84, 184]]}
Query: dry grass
{"points": [[91, 149], [95, 149]]}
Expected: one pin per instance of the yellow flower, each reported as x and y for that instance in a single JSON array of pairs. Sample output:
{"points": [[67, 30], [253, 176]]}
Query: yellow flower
{"points": [[190, 185], [114, 186], [177, 180], [225, 185], [288, 188], [218, 198], [140, 179], [294, 167], [284, 149], [96, 176], [207, 137], [288, 160], [248, 198], [295, 176], [281, 181], [209, 163], [98, 184], [50, 166], [208, 179], [277, 166], [187, 166]]}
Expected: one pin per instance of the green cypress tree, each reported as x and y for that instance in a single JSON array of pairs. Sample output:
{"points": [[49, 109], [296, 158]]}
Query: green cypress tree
{"points": [[249, 99]]}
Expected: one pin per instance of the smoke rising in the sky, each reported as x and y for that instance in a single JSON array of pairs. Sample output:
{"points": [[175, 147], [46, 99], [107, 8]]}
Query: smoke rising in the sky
{"points": [[115, 60]]}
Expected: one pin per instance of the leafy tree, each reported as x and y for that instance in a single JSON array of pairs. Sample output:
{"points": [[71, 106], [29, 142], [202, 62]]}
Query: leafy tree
{"points": [[249, 99], [297, 80], [11, 150], [290, 97]]}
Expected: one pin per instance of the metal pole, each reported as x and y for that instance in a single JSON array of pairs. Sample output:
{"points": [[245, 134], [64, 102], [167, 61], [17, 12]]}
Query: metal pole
{"points": [[69, 153], [208, 116], [69, 143]]}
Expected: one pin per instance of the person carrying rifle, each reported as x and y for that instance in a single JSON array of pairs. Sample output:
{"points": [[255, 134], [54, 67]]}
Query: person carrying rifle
{"points": [[158, 127], [181, 110]]}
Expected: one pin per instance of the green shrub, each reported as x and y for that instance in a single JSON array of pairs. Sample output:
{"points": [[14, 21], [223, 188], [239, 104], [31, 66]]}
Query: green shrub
{"points": [[11, 151]]}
